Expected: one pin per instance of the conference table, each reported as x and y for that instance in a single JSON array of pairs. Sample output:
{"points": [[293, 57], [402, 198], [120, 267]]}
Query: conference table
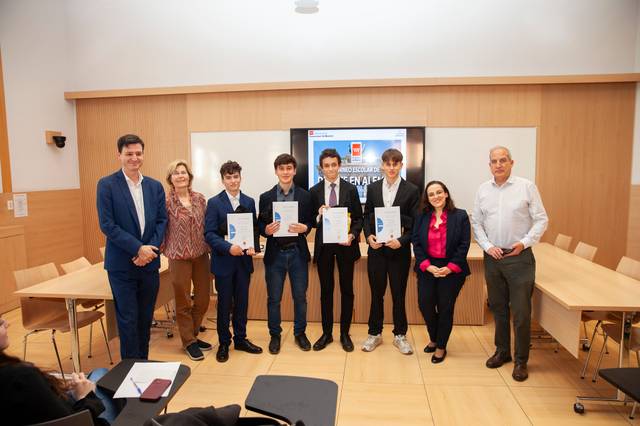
{"points": [[567, 285], [91, 283]]}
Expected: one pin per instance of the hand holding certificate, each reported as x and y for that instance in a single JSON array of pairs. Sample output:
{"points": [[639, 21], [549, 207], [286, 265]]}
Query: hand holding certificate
{"points": [[240, 229], [388, 225], [285, 213], [335, 225]]}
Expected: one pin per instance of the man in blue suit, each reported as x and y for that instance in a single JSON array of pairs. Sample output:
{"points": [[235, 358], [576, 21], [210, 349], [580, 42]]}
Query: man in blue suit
{"points": [[287, 254], [133, 217], [231, 265]]}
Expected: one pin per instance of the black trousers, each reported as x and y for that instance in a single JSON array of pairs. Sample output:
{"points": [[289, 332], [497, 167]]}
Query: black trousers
{"points": [[383, 263], [510, 284], [329, 256], [437, 299]]}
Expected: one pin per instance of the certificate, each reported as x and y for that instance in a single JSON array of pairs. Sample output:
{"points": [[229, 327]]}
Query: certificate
{"points": [[285, 212], [240, 229], [387, 223], [335, 225]]}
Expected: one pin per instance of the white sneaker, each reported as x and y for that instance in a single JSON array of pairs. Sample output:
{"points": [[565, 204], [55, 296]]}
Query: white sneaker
{"points": [[372, 342], [400, 342]]}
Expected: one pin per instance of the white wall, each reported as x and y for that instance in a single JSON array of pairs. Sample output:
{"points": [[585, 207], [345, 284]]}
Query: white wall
{"points": [[49, 46], [147, 43], [34, 44]]}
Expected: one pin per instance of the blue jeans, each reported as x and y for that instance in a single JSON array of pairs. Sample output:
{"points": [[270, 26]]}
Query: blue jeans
{"points": [[110, 410], [291, 261]]}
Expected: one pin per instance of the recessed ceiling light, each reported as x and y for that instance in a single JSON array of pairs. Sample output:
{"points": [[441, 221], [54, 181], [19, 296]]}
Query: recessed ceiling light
{"points": [[307, 6]]}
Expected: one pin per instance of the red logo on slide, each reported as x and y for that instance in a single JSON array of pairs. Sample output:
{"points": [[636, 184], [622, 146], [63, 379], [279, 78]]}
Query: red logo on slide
{"points": [[356, 152], [310, 132]]}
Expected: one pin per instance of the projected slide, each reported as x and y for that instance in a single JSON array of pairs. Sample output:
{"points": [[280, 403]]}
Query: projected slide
{"points": [[360, 150]]}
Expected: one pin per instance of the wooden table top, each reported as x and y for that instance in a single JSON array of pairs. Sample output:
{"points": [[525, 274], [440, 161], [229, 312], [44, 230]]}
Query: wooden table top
{"points": [[578, 284], [88, 283]]}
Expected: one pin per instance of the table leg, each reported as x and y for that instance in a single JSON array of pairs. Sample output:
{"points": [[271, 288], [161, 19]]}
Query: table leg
{"points": [[73, 327]]}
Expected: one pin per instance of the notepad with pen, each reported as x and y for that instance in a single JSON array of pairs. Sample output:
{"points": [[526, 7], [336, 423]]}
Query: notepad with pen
{"points": [[149, 379]]}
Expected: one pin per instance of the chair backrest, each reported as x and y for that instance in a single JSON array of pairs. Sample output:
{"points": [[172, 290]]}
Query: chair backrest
{"points": [[81, 418], [102, 251], [563, 241], [630, 267], [585, 251], [75, 265], [38, 310]]}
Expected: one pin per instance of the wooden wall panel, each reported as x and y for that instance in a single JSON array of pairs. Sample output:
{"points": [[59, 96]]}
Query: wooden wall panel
{"points": [[53, 230], [161, 123], [633, 234], [584, 164]]}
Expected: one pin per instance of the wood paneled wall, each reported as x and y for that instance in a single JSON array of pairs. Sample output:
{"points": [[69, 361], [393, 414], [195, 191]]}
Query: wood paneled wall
{"points": [[584, 137], [633, 235], [52, 231]]}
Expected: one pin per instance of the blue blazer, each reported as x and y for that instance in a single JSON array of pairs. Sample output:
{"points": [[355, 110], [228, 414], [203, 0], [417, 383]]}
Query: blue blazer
{"points": [[215, 229], [119, 221], [266, 217], [458, 239]]}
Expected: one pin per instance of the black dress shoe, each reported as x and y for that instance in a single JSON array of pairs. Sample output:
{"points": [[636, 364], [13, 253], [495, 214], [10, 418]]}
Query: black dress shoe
{"points": [[438, 359], [274, 345], [303, 342], [346, 342], [429, 349], [223, 353], [498, 359], [520, 373], [322, 342], [247, 346]]}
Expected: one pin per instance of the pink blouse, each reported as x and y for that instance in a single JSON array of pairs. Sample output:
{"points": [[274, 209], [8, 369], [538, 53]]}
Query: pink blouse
{"points": [[437, 239], [184, 238]]}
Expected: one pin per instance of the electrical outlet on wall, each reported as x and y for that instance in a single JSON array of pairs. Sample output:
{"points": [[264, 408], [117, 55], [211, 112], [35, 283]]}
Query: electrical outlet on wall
{"points": [[9, 204]]}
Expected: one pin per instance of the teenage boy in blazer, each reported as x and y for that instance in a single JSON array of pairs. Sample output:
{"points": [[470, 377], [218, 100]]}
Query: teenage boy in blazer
{"points": [[333, 191], [231, 265], [133, 218], [286, 255], [393, 258]]}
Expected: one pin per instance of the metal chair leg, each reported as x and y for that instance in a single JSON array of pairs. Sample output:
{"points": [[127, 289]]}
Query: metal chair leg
{"points": [[595, 373], [55, 347], [91, 339], [586, 362], [106, 342]]}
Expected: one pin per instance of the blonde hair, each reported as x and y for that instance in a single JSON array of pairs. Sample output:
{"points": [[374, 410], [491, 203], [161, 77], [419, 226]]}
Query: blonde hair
{"points": [[172, 168]]}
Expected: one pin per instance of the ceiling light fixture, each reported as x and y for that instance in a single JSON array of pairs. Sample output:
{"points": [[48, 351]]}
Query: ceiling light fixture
{"points": [[307, 6]]}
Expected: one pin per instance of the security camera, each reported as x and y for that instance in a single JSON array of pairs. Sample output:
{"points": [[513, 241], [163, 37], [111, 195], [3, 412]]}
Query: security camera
{"points": [[59, 141]]}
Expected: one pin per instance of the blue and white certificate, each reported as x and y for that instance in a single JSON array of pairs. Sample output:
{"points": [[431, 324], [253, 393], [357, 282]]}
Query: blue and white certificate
{"points": [[388, 226], [285, 212], [335, 225], [240, 229]]}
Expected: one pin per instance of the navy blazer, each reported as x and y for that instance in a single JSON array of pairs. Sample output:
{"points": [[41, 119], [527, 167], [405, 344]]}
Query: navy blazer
{"points": [[458, 239], [349, 198], [119, 221], [266, 217], [215, 229]]}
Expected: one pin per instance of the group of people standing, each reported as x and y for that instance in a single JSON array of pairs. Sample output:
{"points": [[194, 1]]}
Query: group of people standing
{"points": [[139, 222]]}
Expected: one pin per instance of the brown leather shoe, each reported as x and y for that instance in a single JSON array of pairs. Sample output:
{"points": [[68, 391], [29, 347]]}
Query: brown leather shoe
{"points": [[498, 359], [520, 373]]}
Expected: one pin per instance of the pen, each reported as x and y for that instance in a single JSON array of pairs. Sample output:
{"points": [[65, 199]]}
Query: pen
{"points": [[135, 384]]}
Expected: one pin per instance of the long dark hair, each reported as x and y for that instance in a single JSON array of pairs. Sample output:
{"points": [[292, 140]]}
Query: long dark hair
{"points": [[57, 386], [426, 206]]}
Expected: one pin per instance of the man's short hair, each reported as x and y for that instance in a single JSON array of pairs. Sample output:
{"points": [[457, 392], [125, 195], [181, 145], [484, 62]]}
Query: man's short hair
{"points": [[229, 168], [329, 153], [392, 155], [283, 159], [127, 140], [499, 147]]}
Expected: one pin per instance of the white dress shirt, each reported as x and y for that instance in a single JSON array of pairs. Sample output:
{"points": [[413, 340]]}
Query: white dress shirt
{"points": [[138, 199], [327, 190], [389, 191], [507, 214], [235, 201]]}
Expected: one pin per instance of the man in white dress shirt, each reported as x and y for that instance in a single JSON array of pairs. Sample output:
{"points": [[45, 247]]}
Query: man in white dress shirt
{"points": [[508, 218]]}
